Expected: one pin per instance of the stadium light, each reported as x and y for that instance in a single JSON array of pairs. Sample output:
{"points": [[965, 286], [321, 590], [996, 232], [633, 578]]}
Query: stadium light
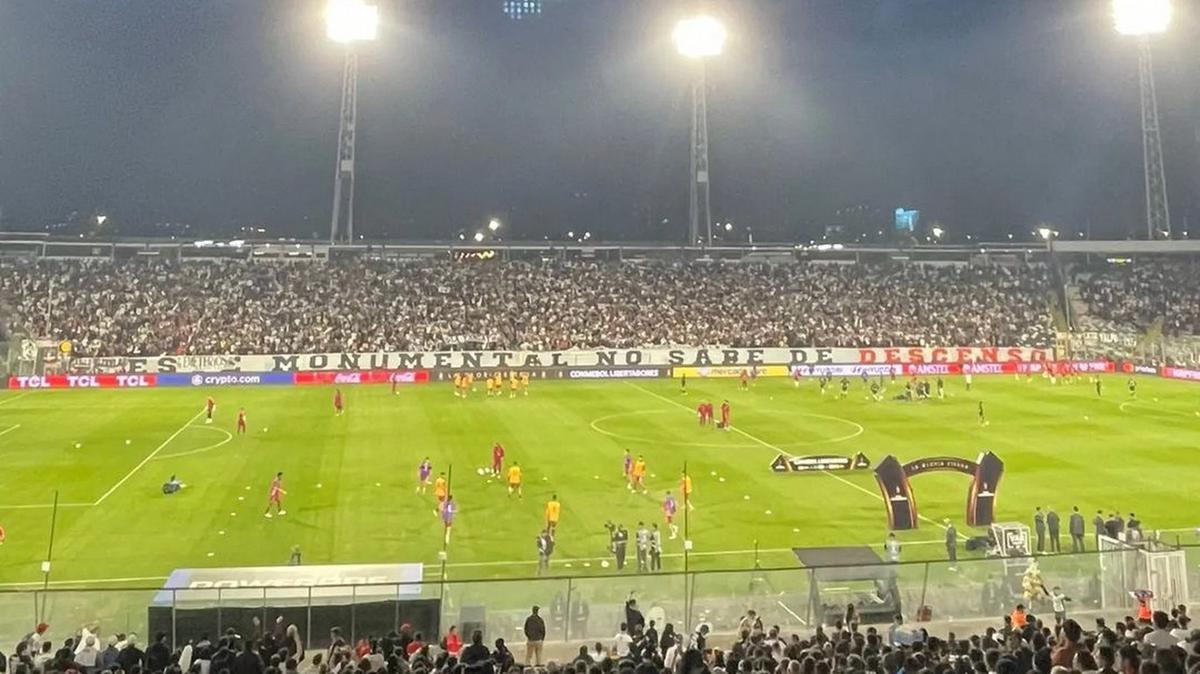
{"points": [[1046, 233], [729, 226], [493, 224], [699, 37], [1141, 17], [478, 237], [1144, 19], [349, 21], [937, 233]]}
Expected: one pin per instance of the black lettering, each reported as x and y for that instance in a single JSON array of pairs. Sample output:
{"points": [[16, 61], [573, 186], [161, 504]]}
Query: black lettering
{"points": [[349, 361], [729, 357], [702, 358], [798, 356], [754, 356], [167, 364], [606, 358], [285, 363], [408, 361], [532, 360], [675, 357], [378, 361], [557, 360], [471, 359], [136, 365], [633, 357], [825, 355], [318, 361], [441, 359], [502, 358]]}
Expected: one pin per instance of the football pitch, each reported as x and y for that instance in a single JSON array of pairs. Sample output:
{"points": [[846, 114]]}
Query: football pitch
{"points": [[351, 479]]}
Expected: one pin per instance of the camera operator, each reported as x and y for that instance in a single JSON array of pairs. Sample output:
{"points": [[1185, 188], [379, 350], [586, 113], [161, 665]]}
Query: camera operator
{"points": [[618, 541]]}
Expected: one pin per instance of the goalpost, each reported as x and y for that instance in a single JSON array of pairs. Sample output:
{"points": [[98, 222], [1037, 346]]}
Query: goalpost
{"points": [[1143, 565]]}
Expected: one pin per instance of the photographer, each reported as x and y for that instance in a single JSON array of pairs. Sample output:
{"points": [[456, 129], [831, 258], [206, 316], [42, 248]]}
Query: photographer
{"points": [[618, 541], [545, 547]]}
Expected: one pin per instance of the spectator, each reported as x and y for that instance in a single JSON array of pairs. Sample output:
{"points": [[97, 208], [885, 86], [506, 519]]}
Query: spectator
{"points": [[535, 634], [248, 661], [158, 654], [141, 308], [622, 642], [131, 656], [476, 652], [1160, 636]]}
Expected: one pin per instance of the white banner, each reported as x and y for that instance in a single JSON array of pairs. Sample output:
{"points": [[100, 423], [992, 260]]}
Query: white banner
{"points": [[595, 358]]}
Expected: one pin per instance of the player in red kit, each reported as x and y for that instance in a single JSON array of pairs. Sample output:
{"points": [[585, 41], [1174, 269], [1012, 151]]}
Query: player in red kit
{"points": [[210, 406], [275, 496], [725, 414], [708, 412], [745, 380], [241, 421], [700, 412], [497, 459], [338, 405]]}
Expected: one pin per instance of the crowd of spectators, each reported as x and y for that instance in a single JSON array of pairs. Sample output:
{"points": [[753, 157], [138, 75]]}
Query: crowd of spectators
{"points": [[1134, 297], [1022, 643], [149, 308]]}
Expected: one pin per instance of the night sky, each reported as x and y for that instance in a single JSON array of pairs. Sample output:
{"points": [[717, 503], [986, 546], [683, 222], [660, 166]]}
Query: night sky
{"points": [[988, 116]]}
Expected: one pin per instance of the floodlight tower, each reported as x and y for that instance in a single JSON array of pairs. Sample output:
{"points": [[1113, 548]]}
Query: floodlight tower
{"points": [[348, 22], [699, 38], [1144, 19]]}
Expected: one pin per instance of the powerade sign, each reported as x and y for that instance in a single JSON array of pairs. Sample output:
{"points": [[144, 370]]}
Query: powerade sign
{"points": [[227, 379]]}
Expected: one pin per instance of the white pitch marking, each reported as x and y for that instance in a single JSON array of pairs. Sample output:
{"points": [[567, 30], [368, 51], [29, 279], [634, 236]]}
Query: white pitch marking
{"points": [[228, 439], [9, 399], [10, 429], [146, 460], [768, 445]]}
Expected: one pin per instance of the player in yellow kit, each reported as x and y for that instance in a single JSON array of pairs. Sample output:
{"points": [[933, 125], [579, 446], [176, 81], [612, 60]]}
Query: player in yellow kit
{"points": [[553, 509], [525, 383], [441, 487], [685, 488], [514, 480], [638, 475], [514, 381]]}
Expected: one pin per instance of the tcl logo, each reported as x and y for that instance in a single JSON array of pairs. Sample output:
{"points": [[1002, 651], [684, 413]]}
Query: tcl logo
{"points": [[83, 381]]}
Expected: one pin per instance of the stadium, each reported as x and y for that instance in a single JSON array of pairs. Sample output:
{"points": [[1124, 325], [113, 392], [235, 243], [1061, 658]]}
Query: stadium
{"points": [[918, 451]]}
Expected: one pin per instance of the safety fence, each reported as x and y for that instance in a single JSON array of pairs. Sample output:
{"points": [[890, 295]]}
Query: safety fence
{"points": [[585, 609]]}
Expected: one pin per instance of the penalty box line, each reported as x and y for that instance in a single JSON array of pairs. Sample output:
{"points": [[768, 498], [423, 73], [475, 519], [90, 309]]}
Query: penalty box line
{"points": [[768, 445], [149, 457]]}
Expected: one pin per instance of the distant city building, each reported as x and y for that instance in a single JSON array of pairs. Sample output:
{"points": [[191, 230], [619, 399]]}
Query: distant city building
{"points": [[522, 9]]}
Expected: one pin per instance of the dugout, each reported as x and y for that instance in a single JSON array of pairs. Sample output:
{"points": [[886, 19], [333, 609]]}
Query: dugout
{"points": [[360, 599], [850, 575]]}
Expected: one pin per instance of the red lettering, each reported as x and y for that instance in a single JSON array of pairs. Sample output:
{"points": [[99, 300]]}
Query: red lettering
{"points": [[939, 355], [891, 355], [990, 354], [916, 355], [866, 356], [962, 355]]}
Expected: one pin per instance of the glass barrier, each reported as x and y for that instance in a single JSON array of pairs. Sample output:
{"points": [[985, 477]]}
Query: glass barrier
{"points": [[973, 593]]}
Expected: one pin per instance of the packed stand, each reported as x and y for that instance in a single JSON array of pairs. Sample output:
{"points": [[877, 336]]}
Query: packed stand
{"points": [[1150, 643], [144, 308], [1134, 297]]}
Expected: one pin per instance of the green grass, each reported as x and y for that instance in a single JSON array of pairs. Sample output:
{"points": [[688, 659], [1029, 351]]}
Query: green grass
{"points": [[1062, 446]]}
